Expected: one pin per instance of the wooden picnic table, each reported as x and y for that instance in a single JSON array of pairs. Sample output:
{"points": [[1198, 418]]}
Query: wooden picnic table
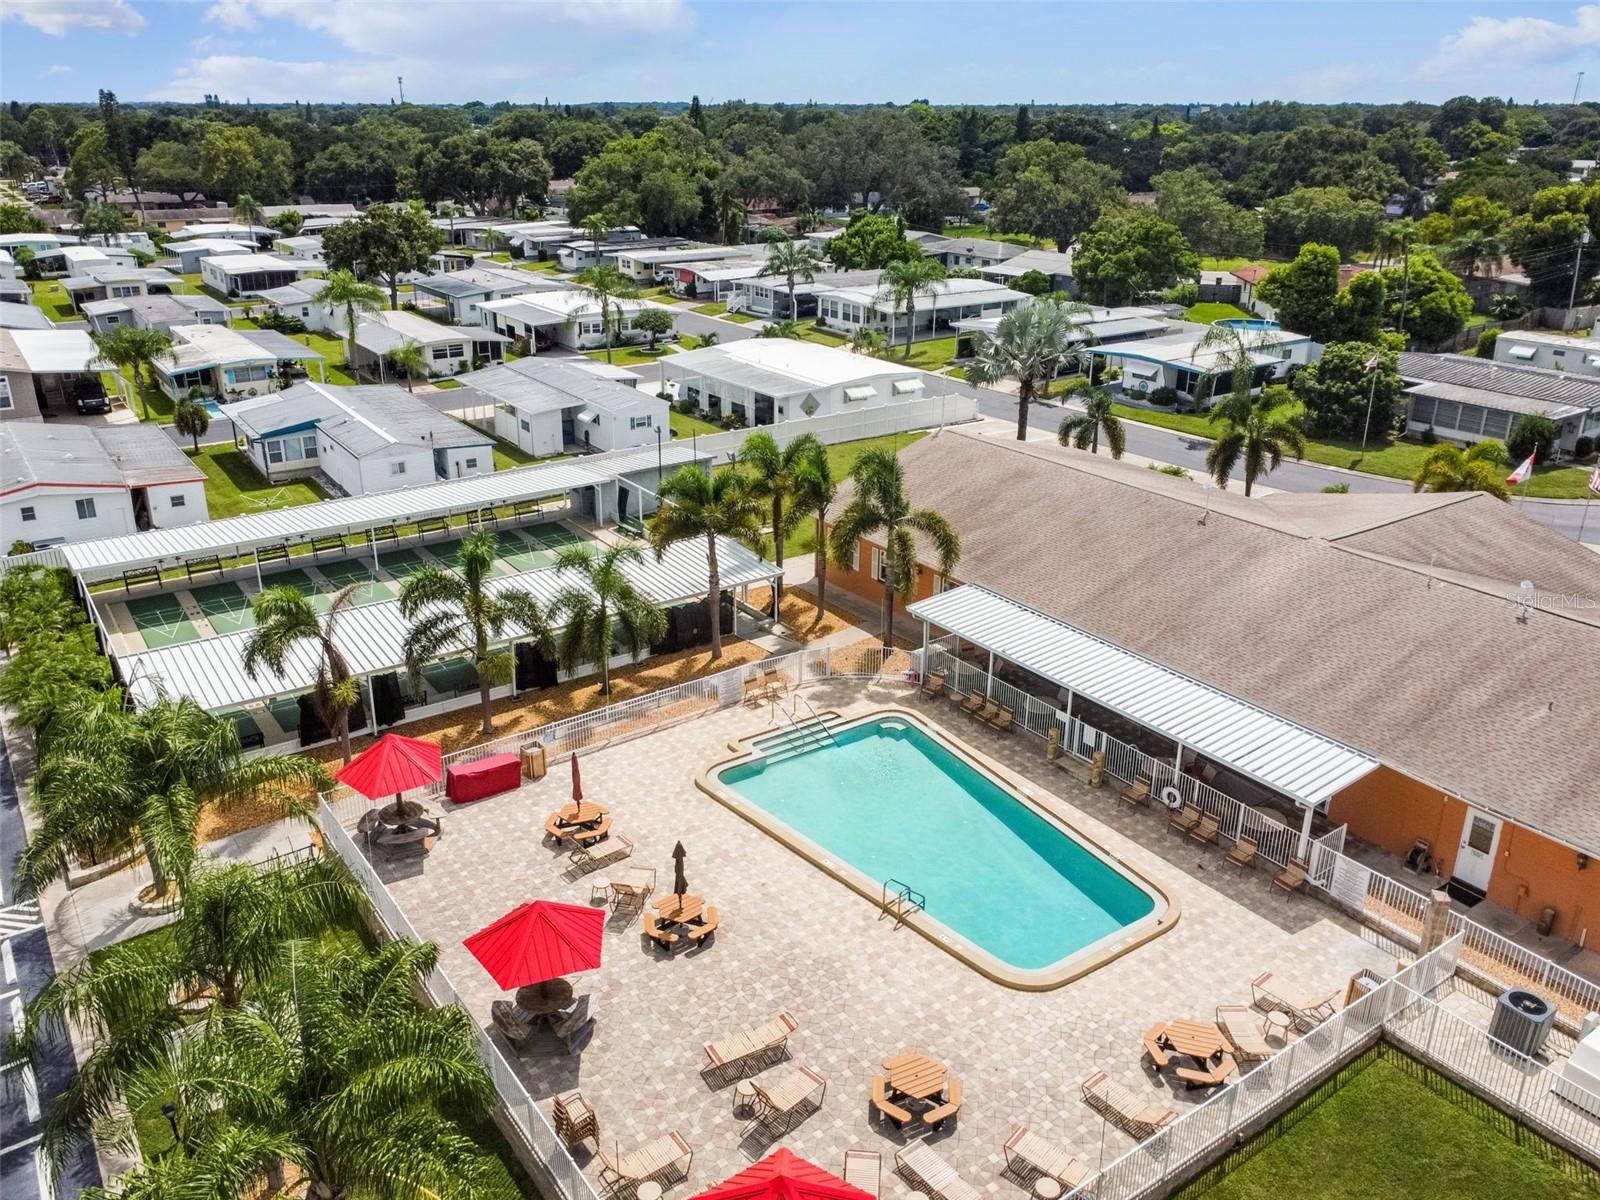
{"points": [[1200, 1040], [916, 1075], [680, 910], [581, 813]]}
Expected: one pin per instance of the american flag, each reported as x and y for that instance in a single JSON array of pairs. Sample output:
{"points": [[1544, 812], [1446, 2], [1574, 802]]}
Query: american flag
{"points": [[1594, 481]]}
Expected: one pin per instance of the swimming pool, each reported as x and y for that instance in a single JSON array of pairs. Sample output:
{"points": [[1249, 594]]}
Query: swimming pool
{"points": [[1249, 324], [1008, 888]]}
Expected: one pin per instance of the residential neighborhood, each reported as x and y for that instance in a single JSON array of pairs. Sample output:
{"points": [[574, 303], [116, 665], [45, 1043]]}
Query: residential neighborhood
{"points": [[677, 603]]}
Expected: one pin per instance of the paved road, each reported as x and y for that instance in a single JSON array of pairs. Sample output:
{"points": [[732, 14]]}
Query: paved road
{"points": [[699, 324], [25, 967]]}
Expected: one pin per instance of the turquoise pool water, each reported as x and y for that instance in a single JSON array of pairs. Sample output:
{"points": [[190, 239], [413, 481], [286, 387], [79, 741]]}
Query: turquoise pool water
{"points": [[896, 803]]}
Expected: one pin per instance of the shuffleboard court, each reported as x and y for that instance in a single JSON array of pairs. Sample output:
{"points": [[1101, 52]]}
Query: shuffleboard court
{"points": [[370, 589], [302, 583], [161, 621], [225, 606]]}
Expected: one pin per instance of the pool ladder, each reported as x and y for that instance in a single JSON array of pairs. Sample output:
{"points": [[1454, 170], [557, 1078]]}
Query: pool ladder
{"points": [[900, 900], [802, 735]]}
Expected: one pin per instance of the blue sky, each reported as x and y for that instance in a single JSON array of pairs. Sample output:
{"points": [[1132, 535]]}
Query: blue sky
{"points": [[889, 50]]}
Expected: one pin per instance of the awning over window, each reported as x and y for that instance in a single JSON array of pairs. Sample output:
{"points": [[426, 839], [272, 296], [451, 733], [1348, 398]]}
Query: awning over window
{"points": [[859, 393], [1522, 352], [1142, 370], [902, 386]]}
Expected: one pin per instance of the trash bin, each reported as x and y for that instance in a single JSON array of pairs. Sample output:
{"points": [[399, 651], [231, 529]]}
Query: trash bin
{"points": [[1547, 921], [533, 760]]}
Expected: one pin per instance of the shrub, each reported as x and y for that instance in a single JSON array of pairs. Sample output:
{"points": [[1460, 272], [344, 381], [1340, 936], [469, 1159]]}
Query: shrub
{"points": [[521, 348], [1486, 341], [1337, 489], [1533, 435], [732, 421], [1168, 469], [21, 546], [1583, 447], [1034, 283], [1165, 397], [1186, 293], [1072, 383], [1429, 437], [684, 405]]}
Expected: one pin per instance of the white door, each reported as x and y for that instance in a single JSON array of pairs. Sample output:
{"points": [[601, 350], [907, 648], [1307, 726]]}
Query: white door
{"points": [[1480, 837]]}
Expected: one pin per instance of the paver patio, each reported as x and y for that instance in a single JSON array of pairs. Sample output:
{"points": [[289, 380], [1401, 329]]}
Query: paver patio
{"points": [[793, 939]]}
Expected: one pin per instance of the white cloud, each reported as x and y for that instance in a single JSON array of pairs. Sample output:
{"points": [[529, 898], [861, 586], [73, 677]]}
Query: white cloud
{"points": [[1515, 42], [1336, 81], [60, 17], [58, 71]]}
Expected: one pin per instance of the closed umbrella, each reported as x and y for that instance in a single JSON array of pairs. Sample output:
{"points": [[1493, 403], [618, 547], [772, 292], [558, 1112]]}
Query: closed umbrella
{"points": [[680, 885], [390, 766], [577, 782]]}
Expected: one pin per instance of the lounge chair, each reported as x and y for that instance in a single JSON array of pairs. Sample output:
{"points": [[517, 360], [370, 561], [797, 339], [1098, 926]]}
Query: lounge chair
{"points": [[664, 938], [1137, 793], [1207, 830], [864, 1169], [974, 702], [1185, 819], [1153, 1047], [922, 1167], [936, 1117], [1213, 1076], [765, 1041], [1308, 1007], [1002, 720], [707, 926], [1242, 1027], [933, 683], [575, 1120], [1243, 853], [793, 1094], [664, 1157], [881, 1102], [1124, 1107], [586, 857], [1293, 877], [1030, 1157]]}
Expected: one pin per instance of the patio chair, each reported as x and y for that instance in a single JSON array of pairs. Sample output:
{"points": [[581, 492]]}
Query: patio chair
{"points": [[777, 682], [792, 1095], [1124, 1107], [989, 712], [1002, 720], [922, 1167], [665, 1157], [886, 1106], [629, 895], [1213, 1076], [936, 1117], [707, 926], [1030, 1157], [1185, 819], [515, 1025], [932, 685], [575, 1120], [864, 1169], [1153, 1047], [974, 702], [584, 856], [765, 1041], [1308, 1007], [1206, 830], [1137, 793], [1242, 1027], [1293, 877], [664, 938], [1243, 853]]}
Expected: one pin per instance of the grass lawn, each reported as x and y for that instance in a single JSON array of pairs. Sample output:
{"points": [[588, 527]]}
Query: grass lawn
{"points": [[1388, 1127], [741, 318], [810, 333], [1210, 314], [444, 385], [332, 349], [549, 264], [631, 356], [234, 486], [684, 425], [52, 299], [710, 310], [929, 355], [983, 231], [1233, 264], [1400, 459]]}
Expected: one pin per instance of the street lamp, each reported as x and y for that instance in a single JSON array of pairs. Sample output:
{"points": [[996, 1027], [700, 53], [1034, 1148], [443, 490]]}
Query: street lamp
{"points": [[170, 1112]]}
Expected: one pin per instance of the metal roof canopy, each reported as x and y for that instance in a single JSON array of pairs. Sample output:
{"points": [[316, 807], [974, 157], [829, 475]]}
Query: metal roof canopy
{"points": [[107, 558], [372, 636], [1277, 753]]}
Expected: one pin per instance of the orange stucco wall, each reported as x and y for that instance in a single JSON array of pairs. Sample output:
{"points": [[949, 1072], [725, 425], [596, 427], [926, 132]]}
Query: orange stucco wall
{"points": [[861, 582], [1530, 871]]}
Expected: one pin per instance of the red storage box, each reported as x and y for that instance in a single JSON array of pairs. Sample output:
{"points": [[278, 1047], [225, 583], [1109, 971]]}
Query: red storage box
{"points": [[486, 777]]}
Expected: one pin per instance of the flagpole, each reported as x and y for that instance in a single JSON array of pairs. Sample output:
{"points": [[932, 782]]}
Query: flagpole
{"points": [[1584, 520]]}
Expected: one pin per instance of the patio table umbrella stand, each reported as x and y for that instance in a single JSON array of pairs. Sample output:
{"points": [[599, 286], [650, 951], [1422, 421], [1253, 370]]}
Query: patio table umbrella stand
{"points": [[392, 766]]}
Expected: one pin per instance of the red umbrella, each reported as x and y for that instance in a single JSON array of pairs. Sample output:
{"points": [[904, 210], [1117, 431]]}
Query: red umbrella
{"points": [[539, 940], [391, 765], [577, 781], [782, 1176]]}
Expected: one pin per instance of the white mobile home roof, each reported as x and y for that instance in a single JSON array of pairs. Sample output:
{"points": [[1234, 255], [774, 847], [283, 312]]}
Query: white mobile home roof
{"points": [[784, 364], [1252, 741], [52, 351]]}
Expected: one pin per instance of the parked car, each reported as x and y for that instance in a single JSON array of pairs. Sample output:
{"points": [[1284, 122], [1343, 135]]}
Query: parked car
{"points": [[89, 405]]}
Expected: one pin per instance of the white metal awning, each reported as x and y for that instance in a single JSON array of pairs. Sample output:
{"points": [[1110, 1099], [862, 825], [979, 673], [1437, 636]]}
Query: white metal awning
{"points": [[859, 393], [372, 636], [1523, 352], [1277, 753]]}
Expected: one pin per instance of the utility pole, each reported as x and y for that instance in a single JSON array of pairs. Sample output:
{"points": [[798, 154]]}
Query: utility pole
{"points": [[401, 80], [1576, 86], [1577, 266]]}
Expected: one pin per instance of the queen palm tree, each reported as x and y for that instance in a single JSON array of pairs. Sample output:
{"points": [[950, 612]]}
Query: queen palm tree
{"points": [[880, 506], [1258, 429], [457, 610], [785, 327], [1028, 345], [903, 281], [602, 609], [189, 415], [1099, 416], [1479, 468], [697, 505], [343, 291], [608, 285], [284, 618], [134, 352], [814, 493], [409, 359], [793, 260], [110, 772], [235, 930], [773, 478], [597, 225]]}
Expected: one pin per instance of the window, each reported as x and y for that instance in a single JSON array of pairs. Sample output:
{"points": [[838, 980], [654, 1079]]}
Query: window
{"points": [[397, 468], [85, 510], [639, 422], [180, 502], [28, 514], [5, 392], [880, 566], [692, 394], [123, 291], [253, 374], [440, 353], [526, 426], [471, 464], [308, 445], [275, 452]]}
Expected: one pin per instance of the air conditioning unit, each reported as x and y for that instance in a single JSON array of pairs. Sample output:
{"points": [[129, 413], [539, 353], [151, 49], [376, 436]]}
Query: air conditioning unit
{"points": [[1522, 1020]]}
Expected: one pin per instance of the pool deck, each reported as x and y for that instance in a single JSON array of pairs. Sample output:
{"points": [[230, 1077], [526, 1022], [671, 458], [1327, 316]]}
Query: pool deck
{"points": [[794, 939]]}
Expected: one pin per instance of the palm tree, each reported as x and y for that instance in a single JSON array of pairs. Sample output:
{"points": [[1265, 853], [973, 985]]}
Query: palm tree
{"points": [[409, 359], [597, 225], [730, 217], [880, 506], [868, 341], [695, 505], [784, 328], [1099, 415], [1238, 350], [284, 618], [774, 476], [1028, 345], [134, 352], [245, 210], [1479, 468], [236, 929], [814, 493], [1259, 429], [344, 291], [608, 285], [190, 415], [903, 281], [793, 260], [110, 772], [603, 611], [452, 610], [1472, 248]]}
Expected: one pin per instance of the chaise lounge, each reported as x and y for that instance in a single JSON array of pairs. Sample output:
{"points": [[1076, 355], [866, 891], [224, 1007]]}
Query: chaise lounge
{"points": [[1124, 1107]]}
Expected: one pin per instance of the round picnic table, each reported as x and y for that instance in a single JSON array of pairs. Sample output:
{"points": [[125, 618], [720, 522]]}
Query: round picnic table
{"points": [[916, 1075], [680, 909], [541, 999], [581, 812]]}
